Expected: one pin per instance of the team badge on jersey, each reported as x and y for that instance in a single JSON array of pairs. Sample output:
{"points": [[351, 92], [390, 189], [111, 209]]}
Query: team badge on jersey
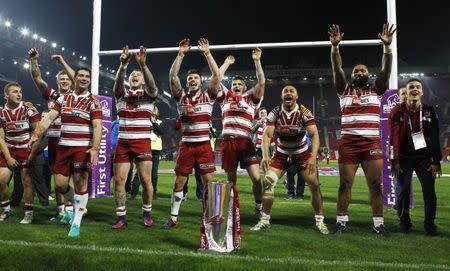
{"points": [[356, 99]]}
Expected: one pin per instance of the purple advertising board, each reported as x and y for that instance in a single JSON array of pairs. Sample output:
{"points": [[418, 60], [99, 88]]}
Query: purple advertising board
{"points": [[388, 101], [99, 185]]}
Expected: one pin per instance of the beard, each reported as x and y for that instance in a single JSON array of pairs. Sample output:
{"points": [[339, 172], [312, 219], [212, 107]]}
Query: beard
{"points": [[360, 81]]}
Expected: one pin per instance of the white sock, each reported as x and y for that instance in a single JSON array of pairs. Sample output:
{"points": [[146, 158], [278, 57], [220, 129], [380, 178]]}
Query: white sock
{"points": [[343, 219], [80, 203], [176, 204], [147, 207], [29, 212], [258, 206], [319, 218], [121, 211], [265, 216], [69, 208], [6, 206], [377, 221]]}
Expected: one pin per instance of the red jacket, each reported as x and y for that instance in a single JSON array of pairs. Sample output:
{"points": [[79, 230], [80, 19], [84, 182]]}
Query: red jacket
{"points": [[400, 140]]}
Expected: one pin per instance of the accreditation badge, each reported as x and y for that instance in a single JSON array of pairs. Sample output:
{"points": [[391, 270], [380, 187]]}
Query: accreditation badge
{"points": [[419, 141]]}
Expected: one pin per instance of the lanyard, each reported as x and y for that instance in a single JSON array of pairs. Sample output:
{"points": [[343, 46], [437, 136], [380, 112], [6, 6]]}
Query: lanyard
{"points": [[420, 120]]}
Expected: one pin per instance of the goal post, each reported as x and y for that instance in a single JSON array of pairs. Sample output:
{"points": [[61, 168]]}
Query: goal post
{"points": [[96, 52]]}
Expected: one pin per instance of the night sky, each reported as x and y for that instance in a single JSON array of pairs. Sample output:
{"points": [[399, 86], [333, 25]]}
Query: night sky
{"points": [[423, 39], [423, 31]]}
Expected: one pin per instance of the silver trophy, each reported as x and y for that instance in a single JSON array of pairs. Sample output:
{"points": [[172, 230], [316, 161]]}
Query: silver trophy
{"points": [[218, 219]]}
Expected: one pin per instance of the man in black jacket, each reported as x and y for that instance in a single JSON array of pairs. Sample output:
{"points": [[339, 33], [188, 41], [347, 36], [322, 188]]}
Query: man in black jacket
{"points": [[414, 145]]}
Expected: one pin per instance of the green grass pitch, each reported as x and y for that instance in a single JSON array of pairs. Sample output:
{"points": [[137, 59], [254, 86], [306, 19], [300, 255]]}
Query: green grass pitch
{"points": [[291, 244]]}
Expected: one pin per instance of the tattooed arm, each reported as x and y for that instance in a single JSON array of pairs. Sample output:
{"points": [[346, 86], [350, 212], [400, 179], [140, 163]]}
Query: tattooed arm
{"points": [[119, 86], [175, 83], [36, 72], [141, 58], [336, 61], [260, 86], [214, 83]]}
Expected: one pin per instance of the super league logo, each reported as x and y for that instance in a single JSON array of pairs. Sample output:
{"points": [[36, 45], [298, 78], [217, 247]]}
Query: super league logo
{"points": [[105, 108], [391, 101]]}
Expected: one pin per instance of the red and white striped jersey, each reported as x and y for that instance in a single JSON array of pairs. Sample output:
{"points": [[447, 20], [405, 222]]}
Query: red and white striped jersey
{"points": [[134, 109], [51, 96], [17, 124], [238, 113], [290, 128], [195, 115], [77, 113], [360, 108], [260, 133]]}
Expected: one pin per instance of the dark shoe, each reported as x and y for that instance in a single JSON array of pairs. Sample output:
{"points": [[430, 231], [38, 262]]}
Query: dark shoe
{"points": [[299, 197], [381, 231], [432, 233], [171, 224], [289, 196], [339, 228], [405, 228]]}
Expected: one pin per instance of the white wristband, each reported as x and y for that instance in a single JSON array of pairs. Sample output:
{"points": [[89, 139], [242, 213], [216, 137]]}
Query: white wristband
{"points": [[387, 49]]}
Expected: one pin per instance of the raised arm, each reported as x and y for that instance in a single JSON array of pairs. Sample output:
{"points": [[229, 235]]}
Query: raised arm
{"points": [[119, 87], [141, 59], [226, 64], [223, 68], [382, 82], [214, 83], [70, 72], [336, 61], [36, 72], [260, 86], [175, 83]]}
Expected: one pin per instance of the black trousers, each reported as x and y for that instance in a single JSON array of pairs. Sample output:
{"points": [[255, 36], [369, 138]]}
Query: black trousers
{"points": [[38, 179], [403, 191]]}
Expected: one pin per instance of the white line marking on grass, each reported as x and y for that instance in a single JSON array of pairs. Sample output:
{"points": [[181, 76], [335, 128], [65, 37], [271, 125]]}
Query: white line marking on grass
{"points": [[247, 258]]}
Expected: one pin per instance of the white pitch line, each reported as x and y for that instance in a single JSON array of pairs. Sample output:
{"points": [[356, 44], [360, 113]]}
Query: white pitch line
{"points": [[247, 258]]}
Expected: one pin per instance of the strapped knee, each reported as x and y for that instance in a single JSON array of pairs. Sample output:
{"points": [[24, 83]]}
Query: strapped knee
{"points": [[270, 180]]}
